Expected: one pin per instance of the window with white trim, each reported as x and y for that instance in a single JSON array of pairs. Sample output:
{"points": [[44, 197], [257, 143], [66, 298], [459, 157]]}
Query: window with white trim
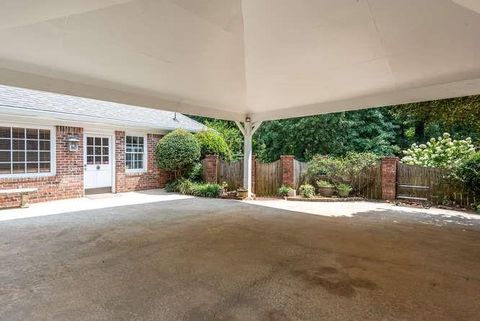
{"points": [[25, 151], [135, 153]]}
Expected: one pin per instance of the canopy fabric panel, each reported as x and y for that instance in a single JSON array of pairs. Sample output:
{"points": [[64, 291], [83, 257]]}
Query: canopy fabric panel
{"points": [[266, 59]]}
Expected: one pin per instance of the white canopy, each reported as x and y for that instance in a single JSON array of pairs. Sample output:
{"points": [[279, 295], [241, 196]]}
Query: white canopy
{"points": [[266, 59]]}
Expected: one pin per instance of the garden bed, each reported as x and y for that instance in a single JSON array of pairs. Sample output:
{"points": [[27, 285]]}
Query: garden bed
{"points": [[325, 199]]}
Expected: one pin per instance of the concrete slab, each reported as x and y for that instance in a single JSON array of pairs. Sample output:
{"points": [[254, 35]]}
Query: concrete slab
{"points": [[202, 259]]}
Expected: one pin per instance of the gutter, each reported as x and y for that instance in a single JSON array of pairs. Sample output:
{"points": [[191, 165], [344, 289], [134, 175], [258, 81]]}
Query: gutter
{"points": [[73, 117]]}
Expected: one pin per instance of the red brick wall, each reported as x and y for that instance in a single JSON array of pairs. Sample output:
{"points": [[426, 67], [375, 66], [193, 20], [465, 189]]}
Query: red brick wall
{"points": [[152, 178], [210, 168], [389, 178], [288, 174], [68, 181]]}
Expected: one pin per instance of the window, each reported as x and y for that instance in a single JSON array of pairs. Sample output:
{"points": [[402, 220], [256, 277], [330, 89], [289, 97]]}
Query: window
{"points": [[25, 151], [98, 150], [135, 153]]}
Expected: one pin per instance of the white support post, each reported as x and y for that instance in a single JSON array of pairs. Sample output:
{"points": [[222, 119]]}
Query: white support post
{"points": [[248, 129]]}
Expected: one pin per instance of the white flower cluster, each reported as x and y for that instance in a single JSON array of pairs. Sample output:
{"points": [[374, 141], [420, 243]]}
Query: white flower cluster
{"points": [[439, 152]]}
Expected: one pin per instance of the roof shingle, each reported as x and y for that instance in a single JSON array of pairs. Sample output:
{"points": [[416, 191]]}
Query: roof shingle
{"points": [[71, 107]]}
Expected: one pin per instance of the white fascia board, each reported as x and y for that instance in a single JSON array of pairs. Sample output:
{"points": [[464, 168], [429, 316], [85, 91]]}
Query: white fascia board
{"points": [[434, 92]]}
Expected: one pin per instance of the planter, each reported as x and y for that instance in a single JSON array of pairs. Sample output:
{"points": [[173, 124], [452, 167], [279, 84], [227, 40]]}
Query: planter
{"points": [[242, 193], [326, 191]]}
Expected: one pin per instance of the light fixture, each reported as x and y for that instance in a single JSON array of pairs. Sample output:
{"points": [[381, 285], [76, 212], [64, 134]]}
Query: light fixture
{"points": [[247, 119], [72, 143]]}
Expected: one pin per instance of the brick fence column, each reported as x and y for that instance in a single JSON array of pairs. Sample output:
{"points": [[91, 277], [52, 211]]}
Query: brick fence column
{"points": [[288, 173], [210, 166], [389, 178]]}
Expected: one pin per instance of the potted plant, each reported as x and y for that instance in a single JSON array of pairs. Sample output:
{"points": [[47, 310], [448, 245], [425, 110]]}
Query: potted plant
{"points": [[344, 189], [284, 191], [307, 190], [325, 188]]}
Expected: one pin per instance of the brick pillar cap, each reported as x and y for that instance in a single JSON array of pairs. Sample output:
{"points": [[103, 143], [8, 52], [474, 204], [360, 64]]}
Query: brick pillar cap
{"points": [[211, 156], [390, 157], [284, 156]]}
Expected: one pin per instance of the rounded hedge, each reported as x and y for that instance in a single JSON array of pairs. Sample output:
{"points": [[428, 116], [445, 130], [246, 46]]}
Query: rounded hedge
{"points": [[212, 143], [177, 152]]}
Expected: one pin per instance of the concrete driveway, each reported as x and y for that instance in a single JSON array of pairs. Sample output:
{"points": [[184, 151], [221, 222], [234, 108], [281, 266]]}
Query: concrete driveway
{"points": [[200, 259]]}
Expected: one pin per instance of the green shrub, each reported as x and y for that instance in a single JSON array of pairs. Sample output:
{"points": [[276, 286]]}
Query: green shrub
{"points": [[177, 152], [469, 172], [212, 143], [354, 163], [339, 169], [307, 191], [344, 189], [206, 190], [323, 183], [321, 167], [172, 187], [284, 190], [441, 152], [196, 172], [187, 187]]}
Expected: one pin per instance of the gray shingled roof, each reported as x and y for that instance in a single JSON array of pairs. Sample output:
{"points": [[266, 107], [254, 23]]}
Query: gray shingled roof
{"points": [[71, 107]]}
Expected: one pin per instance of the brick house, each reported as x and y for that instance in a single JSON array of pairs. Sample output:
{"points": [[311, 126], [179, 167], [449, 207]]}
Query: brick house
{"points": [[68, 146]]}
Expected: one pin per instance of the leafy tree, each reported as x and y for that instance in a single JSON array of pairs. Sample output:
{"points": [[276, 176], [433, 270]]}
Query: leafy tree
{"points": [[419, 121], [330, 134], [177, 152], [229, 131], [442, 152], [383, 131], [212, 143]]}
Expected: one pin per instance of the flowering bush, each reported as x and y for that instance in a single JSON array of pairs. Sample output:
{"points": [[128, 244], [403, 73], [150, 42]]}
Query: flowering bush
{"points": [[442, 152]]}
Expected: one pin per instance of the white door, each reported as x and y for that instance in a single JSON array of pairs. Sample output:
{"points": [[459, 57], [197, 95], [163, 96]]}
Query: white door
{"points": [[98, 161]]}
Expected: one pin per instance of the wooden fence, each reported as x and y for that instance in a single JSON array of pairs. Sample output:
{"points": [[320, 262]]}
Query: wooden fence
{"points": [[231, 173], [439, 187], [368, 183], [268, 178], [299, 169]]}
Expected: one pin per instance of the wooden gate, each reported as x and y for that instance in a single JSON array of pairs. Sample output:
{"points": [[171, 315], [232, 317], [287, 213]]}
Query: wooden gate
{"points": [[268, 178], [299, 169], [231, 173], [368, 183], [437, 185]]}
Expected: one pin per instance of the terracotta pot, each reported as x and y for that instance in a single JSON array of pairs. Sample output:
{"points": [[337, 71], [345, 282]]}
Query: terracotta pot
{"points": [[326, 191], [242, 193]]}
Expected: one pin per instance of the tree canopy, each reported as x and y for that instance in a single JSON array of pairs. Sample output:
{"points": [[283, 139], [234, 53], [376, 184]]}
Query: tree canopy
{"points": [[382, 131]]}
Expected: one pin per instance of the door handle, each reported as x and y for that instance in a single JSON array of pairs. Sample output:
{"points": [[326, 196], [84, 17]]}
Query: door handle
{"points": [[98, 167]]}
